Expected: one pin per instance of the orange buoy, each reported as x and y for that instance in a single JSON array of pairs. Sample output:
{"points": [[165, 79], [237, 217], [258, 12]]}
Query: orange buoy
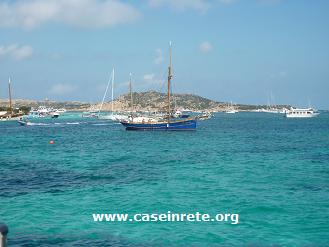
{"points": [[51, 142]]}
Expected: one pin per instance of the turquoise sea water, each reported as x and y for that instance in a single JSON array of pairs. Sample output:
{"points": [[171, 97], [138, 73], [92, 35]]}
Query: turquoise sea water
{"points": [[272, 171]]}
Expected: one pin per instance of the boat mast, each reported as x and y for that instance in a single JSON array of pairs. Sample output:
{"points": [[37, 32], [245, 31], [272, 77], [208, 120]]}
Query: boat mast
{"points": [[107, 87], [112, 90], [131, 94], [9, 91], [169, 81]]}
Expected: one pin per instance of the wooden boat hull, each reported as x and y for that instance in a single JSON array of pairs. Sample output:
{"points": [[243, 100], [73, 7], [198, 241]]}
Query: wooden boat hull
{"points": [[175, 125]]}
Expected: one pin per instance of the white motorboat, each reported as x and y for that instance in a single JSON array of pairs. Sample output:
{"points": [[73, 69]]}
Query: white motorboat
{"points": [[39, 112], [231, 111], [301, 113], [54, 114]]}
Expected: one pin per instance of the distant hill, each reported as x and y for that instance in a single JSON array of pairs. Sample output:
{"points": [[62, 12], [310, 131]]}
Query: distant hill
{"points": [[156, 101], [150, 101], [18, 103]]}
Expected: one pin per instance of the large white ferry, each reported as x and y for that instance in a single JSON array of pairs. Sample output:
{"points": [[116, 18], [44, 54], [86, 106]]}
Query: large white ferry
{"points": [[301, 113]]}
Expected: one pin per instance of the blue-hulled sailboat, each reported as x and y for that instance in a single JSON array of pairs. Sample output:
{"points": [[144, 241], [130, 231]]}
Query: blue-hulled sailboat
{"points": [[167, 123]]}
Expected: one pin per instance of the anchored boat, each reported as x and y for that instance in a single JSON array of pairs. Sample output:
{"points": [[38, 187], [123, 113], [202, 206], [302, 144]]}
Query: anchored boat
{"points": [[10, 114], [188, 124], [167, 123], [301, 113], [231, 109]]}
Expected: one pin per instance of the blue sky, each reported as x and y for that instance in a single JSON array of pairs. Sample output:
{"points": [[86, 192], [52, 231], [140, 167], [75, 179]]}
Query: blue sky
{"points": [[245, 51]]}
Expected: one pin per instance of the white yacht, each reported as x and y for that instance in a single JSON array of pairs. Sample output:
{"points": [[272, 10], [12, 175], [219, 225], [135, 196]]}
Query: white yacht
{"points": [[231, 109], [271, 110], [61, 110], [301, 113], [54, 114], [113, 117], [43, 111]]}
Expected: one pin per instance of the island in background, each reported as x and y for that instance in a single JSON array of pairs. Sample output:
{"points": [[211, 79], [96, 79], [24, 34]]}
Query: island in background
{"points": [[142, 101]]}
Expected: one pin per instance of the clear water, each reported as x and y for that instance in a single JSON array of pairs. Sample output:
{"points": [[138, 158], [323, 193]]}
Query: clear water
{"points": [[272, 171]]}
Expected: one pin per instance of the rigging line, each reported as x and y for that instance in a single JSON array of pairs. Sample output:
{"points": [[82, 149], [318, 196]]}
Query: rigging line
{"points": [[163, 81], [107, 87]]}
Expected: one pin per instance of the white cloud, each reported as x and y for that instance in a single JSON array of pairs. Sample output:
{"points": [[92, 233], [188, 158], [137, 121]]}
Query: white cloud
{"points": [[158, 57], [16, 52], [180, 5], [61, 89], [148, 77], [78, 13], [205, 47], [152, 79]]}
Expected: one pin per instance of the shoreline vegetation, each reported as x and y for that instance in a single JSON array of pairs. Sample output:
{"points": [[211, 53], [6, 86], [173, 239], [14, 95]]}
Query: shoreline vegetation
{"points": [[143, 101]]}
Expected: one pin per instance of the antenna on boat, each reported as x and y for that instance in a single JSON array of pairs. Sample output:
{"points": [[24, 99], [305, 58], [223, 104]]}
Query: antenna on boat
{"points": [[131, 93], [169, 79], [9, 91]]}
